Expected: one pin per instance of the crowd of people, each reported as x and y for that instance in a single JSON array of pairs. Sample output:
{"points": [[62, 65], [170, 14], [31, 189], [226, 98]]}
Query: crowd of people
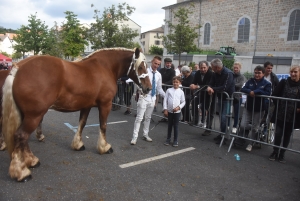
{"points": [[207, 91]]}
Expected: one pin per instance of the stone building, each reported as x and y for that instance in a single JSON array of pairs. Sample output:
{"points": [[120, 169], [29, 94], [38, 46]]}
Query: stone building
{"points": [[152, 37], [256, 27]]}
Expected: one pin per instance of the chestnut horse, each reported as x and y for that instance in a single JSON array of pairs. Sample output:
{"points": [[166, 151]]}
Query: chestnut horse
{"points": [[47, 82]]}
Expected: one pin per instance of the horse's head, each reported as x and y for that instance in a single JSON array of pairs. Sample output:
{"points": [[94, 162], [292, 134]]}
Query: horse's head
{"points": [[138, 71]]}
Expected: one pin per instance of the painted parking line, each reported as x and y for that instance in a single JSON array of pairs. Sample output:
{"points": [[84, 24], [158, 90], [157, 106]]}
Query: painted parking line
{"points": [[126, 165], [74, 128]]}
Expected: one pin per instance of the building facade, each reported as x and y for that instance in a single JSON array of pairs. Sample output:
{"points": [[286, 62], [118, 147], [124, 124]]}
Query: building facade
{"points": [[152, 37], [7, 42], [254, 28]]}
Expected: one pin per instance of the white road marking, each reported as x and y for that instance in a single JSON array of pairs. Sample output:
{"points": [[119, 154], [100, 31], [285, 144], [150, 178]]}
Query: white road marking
{"points": [[74, 128], [126, 165]]}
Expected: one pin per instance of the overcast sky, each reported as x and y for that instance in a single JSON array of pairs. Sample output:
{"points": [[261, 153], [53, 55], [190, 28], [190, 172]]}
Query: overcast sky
{"points": [[14, 13]]}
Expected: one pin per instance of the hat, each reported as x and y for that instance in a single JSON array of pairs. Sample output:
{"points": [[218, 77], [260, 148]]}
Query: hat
{"points": [[168, 60]]}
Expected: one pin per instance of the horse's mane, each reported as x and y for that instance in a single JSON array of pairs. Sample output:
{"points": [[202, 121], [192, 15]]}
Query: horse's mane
{"points": [[105, 49]]}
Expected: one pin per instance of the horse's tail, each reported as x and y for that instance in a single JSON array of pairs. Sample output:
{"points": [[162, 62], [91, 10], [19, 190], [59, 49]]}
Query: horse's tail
{"points": [[10, 112]]}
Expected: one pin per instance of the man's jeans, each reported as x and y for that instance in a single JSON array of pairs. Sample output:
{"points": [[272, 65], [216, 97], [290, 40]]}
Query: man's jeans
{"points": [[224, 108]]}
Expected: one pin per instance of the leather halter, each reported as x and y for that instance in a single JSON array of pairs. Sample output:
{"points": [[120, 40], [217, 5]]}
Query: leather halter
{"points": [[135, 63]]}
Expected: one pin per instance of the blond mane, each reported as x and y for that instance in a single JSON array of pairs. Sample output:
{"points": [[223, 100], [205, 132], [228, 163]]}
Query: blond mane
{"points": [[105, 49]]}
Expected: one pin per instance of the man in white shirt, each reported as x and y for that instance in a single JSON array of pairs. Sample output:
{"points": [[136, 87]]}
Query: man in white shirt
{"points": [[146, 102]]}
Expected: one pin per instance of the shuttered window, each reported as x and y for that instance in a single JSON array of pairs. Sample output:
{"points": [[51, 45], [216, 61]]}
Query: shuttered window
{"points": [[206, 34], [244, 30], [294, 26]]}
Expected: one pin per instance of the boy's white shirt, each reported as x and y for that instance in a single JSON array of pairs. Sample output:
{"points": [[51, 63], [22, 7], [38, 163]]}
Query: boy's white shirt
{"points": [[173, 99]]}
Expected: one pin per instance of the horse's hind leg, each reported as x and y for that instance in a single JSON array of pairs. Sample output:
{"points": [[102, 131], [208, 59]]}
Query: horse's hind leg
{"points": [[77, 143], [39, 132], [102, 146], [22, 158]]}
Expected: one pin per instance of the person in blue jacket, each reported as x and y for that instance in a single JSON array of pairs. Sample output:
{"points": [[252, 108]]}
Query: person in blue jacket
{"points": [[255, 106]]}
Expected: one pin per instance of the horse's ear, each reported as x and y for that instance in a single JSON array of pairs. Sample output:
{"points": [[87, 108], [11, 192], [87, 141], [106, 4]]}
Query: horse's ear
{"points": [[137, 52]]}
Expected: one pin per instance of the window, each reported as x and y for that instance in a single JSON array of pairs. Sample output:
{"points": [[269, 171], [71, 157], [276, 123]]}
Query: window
{"points": [[157, 42], [244, 30], [294, 26], [206, 34]]}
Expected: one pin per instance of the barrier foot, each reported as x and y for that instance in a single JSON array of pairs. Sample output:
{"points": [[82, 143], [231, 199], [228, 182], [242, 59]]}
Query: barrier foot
{"points": [[232, 140], [221, 143]]}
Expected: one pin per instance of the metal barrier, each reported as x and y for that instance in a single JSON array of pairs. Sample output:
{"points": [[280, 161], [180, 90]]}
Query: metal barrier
{"points": [[201, 111], [263, 130]]}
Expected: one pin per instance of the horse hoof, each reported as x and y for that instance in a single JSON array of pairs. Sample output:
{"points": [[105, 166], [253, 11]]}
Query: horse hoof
{"points": [[25, 179], [110, 151], [36, 165], [81, 148]]}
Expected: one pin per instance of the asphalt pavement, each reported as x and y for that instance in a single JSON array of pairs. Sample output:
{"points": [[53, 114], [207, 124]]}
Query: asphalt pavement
{"points": [[203, 171]]}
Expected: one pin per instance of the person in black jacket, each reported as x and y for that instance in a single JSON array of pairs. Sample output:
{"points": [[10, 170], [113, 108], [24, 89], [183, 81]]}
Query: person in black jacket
{"points": [[167, 74], [202, 77], [221, 81], [286, 116], [186, 82]]}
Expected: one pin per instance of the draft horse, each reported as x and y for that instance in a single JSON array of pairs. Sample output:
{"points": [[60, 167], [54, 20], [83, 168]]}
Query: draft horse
{"points": [[48, 82]]}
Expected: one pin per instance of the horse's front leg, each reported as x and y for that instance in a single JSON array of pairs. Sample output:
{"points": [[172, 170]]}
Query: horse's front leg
{"points": [[77, 143], [39, 132], [102, 146]]}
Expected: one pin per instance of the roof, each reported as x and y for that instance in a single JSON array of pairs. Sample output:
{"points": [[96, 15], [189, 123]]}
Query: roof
{"points": [[11, 36], [159, 29], [173, 5]]}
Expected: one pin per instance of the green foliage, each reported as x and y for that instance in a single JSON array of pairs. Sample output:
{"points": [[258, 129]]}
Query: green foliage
{"points": [[72, 36], [248, 75], [182, 35], [109, 30], [228, 63], [32, 37], [54, 40], [17, 55], [5, 54], [156, 50], [5, 30], [192, 64]]}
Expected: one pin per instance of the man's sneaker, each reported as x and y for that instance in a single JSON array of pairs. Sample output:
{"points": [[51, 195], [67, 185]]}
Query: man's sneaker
{"points": [[234, 130], [249, 147], [273, 156], [147, 138], [167, 142], [175, 144], [206, 133], [281, 158], [218, 138], [133, 141], [127, 112]]}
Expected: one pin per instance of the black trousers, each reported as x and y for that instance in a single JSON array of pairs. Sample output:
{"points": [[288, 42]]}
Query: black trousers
{"points": [[173, 121]]}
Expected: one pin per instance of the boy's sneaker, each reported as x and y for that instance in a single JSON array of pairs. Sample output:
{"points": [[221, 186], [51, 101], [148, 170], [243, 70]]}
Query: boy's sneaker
{"points": [[127, 112], [281, 159], [234, 130], [133, 141], [273, 156], [147, 138], [249, 147], [167, 142], [175, 144]]}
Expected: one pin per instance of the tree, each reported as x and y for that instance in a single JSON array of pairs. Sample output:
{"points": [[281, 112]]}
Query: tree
{"points": [[32, 37], [182, 35], [16, 55], [108, 30], [156, 50], [54, 40], [72, 36], [5, 54]]}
